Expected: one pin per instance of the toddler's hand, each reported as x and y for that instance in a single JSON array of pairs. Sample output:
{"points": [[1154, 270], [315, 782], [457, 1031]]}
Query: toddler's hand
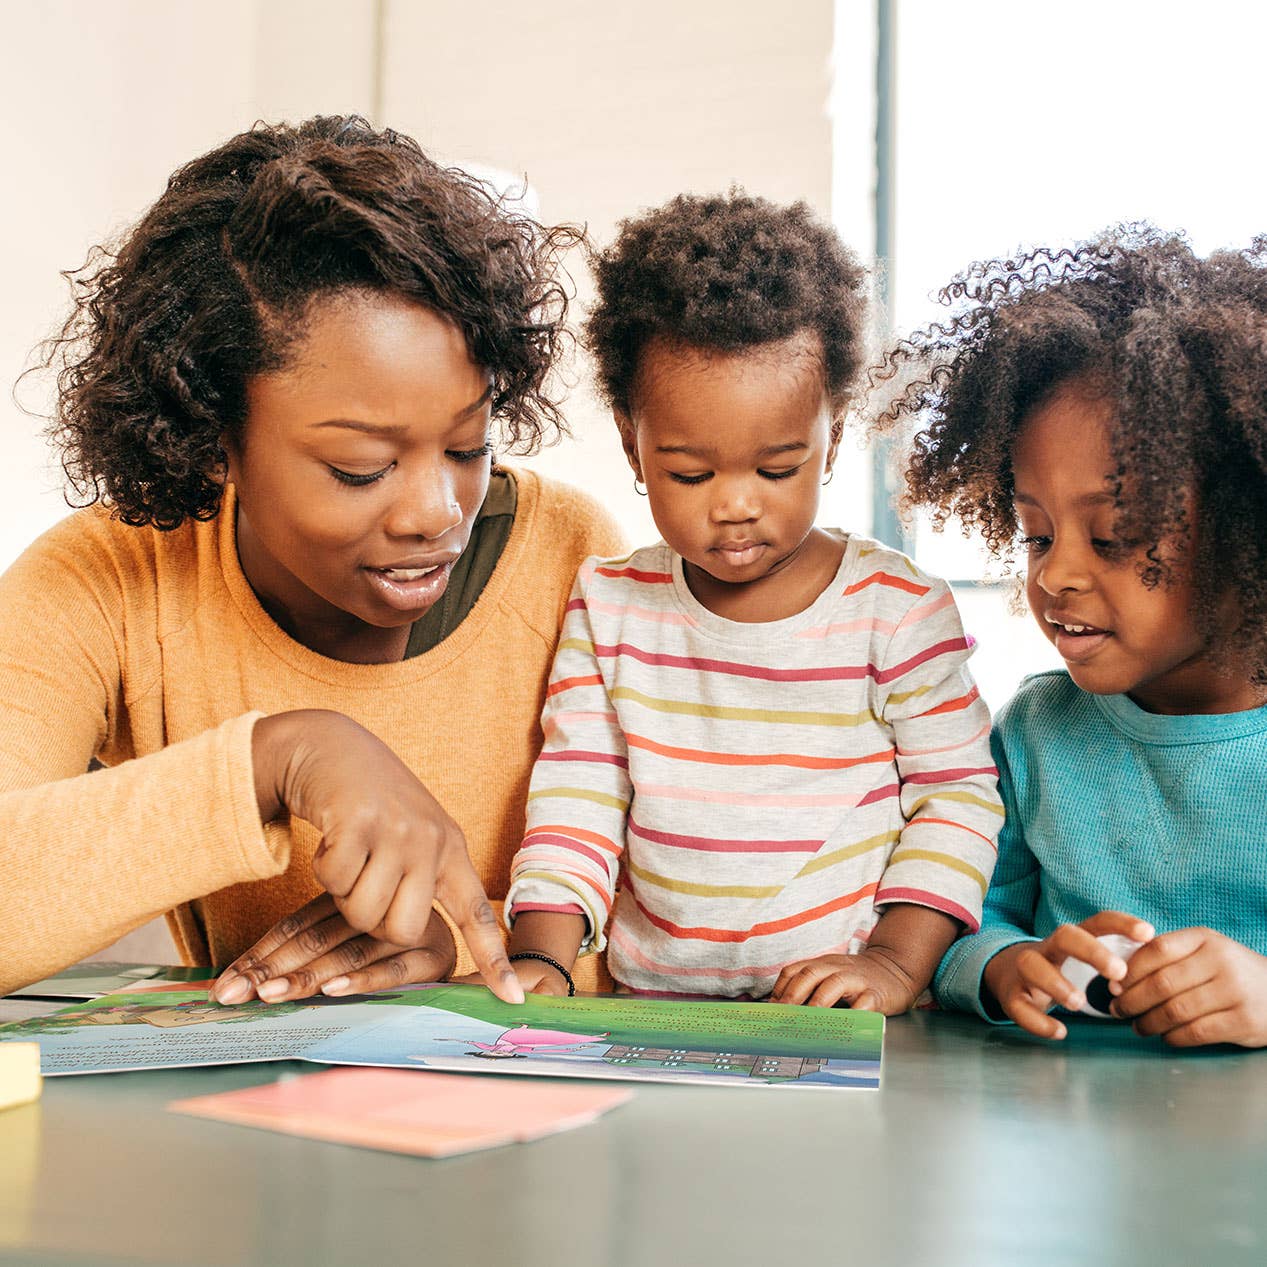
{"points": [[869, 981], [1026, 980], [1195, 986]]}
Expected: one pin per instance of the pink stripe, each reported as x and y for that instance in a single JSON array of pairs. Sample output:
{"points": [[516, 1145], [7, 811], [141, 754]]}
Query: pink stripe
{"points": [[567, 908], [833, 673], [560, 844], [935, 900], [848, 627], [554, 720], [639, 613], [576, 754], [666, 791], [565, 842], [950, 747], [948, 776], [706, 845], [924, 610], [635, 574], [878, 794]]}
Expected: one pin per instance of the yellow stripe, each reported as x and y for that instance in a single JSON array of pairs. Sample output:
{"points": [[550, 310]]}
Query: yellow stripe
{"points": [[584, 894], [849, 851], [900, 697], [704, 890], [580, 794], [942, 859], [743, 714], [577, 644], [963, 798]]}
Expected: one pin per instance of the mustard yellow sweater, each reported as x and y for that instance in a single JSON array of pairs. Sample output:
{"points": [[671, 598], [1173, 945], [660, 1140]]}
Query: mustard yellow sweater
{"points": [[150, 651]]}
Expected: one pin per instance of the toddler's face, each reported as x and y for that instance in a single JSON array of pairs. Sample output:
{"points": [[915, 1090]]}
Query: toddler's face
{"points": [[362, 466], [1116, 635], [733, 450]]}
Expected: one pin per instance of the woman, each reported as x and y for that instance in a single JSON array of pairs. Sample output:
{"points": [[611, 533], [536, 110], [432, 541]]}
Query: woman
{"points": [[306, 624]]}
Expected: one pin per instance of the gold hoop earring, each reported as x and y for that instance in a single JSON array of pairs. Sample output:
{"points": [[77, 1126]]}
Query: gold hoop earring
{"points": [[642, 492]]}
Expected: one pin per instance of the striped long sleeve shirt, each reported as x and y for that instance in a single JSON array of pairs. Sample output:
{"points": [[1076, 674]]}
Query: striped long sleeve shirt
{"points": [[720, 799]]}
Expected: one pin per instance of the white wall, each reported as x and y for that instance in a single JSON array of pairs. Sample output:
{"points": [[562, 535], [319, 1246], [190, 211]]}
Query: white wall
{"points": [[606, 109]]}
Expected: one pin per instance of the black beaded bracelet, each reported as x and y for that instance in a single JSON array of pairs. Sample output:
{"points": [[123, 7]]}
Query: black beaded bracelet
{"points": [[553, 963]]}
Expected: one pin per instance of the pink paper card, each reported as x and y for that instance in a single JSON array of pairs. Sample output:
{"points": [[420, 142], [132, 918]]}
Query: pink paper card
{"points": [[409, 1111]]}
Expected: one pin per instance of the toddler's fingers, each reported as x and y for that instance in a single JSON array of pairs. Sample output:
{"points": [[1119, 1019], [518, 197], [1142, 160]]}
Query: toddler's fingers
{"points": [[802, 983], [867, 1001], [830, 991]]}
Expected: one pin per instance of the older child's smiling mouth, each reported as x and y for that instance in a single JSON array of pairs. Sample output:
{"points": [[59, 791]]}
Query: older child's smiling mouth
{"points": [[1077, 642]]}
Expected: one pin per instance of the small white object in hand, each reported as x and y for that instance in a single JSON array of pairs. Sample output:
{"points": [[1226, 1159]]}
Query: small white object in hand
{"points": [[1094, 987]]}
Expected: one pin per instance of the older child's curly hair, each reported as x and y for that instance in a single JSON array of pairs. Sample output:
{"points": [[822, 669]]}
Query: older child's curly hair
{"points": [[213, 283], [1175, 343], [726, 274]]}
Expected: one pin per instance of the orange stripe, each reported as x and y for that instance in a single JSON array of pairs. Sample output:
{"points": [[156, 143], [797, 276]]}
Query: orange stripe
{"points": [[953, 705], [566, 683], [773, 758], [759, 930], [885, 578], [580, 833], [950, 822]]}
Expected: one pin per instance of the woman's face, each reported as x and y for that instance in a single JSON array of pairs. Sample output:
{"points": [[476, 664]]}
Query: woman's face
{"points": [[360, 471]]}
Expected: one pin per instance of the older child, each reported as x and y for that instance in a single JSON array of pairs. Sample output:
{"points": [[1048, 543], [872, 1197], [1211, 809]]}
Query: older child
{"points": [[308, 627], [764, 729], [1108, 406]]}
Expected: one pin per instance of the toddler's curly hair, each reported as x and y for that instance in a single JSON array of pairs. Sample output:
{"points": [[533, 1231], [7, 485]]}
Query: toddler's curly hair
{"points": [[212, 286], [726, 274], [1175, 343]]}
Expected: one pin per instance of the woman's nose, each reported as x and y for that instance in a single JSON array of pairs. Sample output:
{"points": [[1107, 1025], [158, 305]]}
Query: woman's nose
{"points": [[425, 507]]}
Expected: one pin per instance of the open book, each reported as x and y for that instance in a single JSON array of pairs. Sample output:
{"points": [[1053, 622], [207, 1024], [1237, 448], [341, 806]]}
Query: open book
{"points": [[465, 1028]]}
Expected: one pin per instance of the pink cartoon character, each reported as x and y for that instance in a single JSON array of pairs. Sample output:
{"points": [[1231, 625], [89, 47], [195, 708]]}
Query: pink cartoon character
{"points": [[523, 1041]]}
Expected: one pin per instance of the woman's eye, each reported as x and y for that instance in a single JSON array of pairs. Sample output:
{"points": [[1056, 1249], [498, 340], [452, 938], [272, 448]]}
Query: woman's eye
{"points": [[471, 455], [779, 475], [687, 479], [358, 481]]}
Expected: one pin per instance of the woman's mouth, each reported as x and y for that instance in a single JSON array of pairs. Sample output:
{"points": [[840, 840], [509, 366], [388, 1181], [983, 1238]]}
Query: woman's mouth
{"points": [[410, 589]]}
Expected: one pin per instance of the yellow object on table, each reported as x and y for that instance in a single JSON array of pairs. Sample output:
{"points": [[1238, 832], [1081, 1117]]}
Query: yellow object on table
{"points": [[20, 1080]]}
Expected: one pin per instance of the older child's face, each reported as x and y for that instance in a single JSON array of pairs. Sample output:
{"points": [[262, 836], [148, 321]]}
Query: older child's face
{"points": [[1115, 635], [362, 466], [733, 450]]}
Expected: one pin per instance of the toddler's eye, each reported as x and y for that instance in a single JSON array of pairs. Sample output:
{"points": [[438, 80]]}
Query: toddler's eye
{"points": [[779, 475], [471, 455], [358, 481], [688, 479]]}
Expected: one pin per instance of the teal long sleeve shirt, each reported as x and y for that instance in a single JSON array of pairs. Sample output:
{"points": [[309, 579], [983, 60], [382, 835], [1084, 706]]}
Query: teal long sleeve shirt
{"points": [[1112, 808]]}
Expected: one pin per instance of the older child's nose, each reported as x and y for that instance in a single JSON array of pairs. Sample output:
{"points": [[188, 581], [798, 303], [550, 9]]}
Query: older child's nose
{"points": [[1063, 567]]}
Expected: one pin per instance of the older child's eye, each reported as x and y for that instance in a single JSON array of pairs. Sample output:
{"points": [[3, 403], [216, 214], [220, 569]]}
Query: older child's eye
{"points": [[1036, 543], [780, 475], [1112, 549], [689, 479], [358, 481]]}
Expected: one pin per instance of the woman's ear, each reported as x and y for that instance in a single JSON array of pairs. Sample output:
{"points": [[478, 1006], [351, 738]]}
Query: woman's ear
{"points": [[225, 472], [629, 441]]}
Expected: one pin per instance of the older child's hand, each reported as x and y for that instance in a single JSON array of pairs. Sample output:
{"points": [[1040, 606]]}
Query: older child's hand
{"points": [[1026, 981], [1195, 986], [316, 949], [387, 845], [870, 981]]}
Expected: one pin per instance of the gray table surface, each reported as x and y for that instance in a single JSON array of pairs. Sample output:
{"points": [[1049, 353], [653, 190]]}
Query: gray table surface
{"points": [[983, 1147]]}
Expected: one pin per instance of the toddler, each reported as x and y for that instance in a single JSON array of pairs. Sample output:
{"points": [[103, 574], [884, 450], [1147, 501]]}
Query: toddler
{"points": [[1107, 406], [766, 769]]}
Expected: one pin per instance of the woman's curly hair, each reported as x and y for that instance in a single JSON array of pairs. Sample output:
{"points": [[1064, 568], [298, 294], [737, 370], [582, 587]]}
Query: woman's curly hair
{"points": [[726, 274], [213, 283], [1176, 345]]}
